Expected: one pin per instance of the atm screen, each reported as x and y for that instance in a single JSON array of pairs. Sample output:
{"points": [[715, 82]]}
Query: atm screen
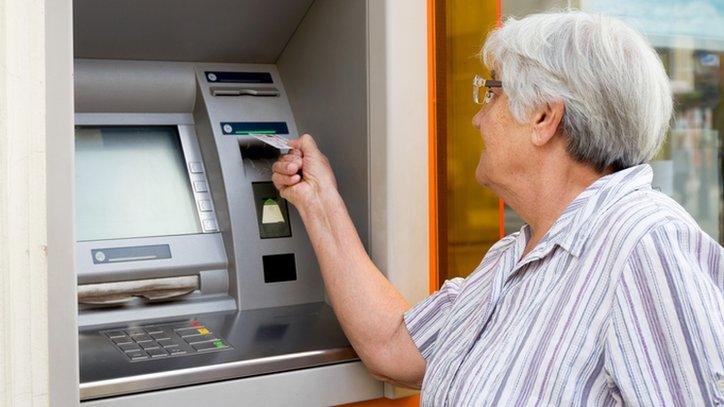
{"points": [[131, 182]]}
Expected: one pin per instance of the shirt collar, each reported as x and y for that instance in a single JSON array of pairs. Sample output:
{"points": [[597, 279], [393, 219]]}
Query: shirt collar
{"points": [[573, 226]]}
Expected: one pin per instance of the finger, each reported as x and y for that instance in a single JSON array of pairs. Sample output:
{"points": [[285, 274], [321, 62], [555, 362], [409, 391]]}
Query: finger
{"points": [[282, 181], [289, 158], [285, 168], [306, 145]]}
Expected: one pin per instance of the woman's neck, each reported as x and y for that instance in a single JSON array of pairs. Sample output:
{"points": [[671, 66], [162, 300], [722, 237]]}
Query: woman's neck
{"points": [[541, 197]]}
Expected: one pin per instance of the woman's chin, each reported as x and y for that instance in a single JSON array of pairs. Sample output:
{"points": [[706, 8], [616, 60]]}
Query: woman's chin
{"points": [[481, 175]]}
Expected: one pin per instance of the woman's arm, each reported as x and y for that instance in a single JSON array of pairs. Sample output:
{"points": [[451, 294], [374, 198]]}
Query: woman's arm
{"points": [[368, 307]]}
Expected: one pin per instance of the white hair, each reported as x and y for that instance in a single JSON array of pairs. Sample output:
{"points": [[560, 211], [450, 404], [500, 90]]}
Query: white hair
{"points": [[614, 87]]}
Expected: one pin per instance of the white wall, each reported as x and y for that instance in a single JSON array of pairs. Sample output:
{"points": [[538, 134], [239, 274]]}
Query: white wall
{"points": [[23, 232], [37, 282], [399, 234]]}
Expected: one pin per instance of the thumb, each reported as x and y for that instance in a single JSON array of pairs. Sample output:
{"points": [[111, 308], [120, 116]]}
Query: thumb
{"points": [[306, 145]]}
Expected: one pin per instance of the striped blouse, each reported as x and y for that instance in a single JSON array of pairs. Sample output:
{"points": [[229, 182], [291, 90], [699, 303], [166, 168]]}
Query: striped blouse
{"points": [[620, 303]]}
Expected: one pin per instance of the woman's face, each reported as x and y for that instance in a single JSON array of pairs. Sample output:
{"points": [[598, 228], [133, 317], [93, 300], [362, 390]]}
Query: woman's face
{"points": [[506, 143]]}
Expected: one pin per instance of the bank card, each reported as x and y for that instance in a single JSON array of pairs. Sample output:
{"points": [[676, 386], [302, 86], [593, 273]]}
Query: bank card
{"points": [[273, 140]]}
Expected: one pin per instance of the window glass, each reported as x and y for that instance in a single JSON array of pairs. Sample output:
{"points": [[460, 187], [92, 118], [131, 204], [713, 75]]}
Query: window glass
{"points": [[468, 213], [689, 37]]}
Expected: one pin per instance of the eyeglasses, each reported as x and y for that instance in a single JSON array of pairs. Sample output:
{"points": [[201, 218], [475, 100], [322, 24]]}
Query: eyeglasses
{"points": [[478, 83]]}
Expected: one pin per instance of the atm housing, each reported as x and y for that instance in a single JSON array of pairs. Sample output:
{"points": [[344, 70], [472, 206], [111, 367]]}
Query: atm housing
{"points": [[191, 268]]}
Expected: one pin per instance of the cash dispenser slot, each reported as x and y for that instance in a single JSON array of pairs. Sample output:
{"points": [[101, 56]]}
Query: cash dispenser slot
{"points": [[154, 289]]}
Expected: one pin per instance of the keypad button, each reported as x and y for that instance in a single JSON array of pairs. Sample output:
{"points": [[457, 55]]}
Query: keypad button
{"points": [[196, 167], [137, 355], [133, 332], [180, 325], [149, 345], [142, 338], [153, 330], [200, 186], [129, 347], [207, 346], [116, 334], [157, 353], [210, 225], [161, 335], [191, 331], [200, 338], [122, 339], [176, 351], [205, 205], [166, 343], [204, 346]]}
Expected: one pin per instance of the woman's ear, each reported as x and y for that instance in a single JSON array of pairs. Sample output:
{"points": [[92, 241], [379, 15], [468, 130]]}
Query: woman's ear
{"points": [[546, 121]]}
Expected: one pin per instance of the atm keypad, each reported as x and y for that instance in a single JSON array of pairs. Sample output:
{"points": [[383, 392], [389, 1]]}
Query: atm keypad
{"points": [[167, 340]]}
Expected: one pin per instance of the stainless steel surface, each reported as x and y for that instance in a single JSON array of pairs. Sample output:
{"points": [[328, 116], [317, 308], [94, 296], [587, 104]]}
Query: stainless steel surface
{"points": [[133, 119], [145, 87], [329, 385], [264, 341], [232, 169]]}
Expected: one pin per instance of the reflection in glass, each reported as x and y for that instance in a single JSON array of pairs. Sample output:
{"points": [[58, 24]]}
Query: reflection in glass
{"points": [[689, 37]]}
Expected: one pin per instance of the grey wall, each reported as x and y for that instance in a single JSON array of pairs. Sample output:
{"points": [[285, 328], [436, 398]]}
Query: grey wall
{"points": [[324, 70], [134, 86], [251, 31]]}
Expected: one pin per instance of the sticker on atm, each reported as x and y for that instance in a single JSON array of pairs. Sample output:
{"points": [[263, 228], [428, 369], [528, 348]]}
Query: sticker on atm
{"points": [[271, 213]]}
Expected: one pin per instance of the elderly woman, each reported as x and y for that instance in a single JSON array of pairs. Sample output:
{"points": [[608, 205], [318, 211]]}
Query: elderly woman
{"points": [[609, 294]]}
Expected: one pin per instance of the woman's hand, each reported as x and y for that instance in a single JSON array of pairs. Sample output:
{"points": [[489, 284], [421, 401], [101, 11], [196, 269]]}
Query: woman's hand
{"points": [[303, 175]]}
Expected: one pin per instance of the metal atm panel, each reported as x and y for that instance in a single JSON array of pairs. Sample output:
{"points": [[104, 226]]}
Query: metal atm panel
{"points": [[262, 341], [259, 305]]}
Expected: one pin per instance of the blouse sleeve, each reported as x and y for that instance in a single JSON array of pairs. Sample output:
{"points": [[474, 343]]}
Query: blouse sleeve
{"points": [[425, 320], [665, 342]]}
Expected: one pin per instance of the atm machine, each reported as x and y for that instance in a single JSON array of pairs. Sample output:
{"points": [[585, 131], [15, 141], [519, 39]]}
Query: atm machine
{"points": [[196, 280]]}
